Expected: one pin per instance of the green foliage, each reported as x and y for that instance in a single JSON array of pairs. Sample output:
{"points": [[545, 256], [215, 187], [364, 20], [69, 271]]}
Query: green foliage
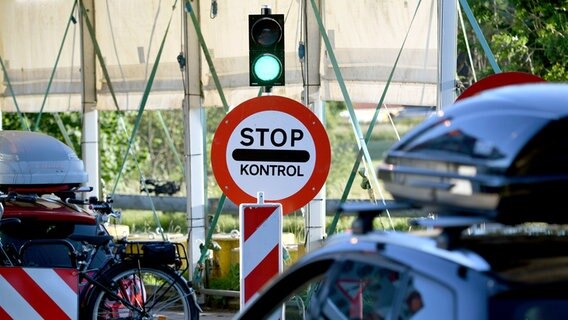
{"points": [[343, 148], [524, 35], [151, 155], [71, 123], [231, 281], [113, 142]]}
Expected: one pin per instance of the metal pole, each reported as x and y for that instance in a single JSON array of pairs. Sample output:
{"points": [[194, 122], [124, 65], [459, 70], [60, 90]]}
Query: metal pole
{"points": [[315, 213], [447, 52], [90, 136], [193, 141]]}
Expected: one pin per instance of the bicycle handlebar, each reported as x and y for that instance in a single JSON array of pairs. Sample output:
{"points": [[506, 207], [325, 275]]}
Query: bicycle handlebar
{"points": [[19, 197], [76, 201], [101, 207], [94, 204]]}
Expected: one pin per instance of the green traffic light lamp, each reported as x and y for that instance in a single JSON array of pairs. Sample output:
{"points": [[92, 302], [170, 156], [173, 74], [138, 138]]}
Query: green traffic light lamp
{"points": [[266, 49], [267, 68]]}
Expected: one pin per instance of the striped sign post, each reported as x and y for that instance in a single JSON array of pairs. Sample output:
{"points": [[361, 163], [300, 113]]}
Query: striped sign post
{"points": [[261, 245], [38, 293]]}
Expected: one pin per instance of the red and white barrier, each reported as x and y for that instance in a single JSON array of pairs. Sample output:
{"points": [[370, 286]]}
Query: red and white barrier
{"points": [[261, 246], [38, 293]]}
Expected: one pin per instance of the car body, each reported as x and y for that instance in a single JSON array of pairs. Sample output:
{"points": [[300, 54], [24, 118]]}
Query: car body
{"points": [[45, 230], [490, 175], [500, 154], [395, 275], [38, 174]]}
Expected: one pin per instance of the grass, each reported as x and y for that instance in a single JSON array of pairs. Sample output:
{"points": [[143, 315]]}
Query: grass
{"points": [[145, 222]]}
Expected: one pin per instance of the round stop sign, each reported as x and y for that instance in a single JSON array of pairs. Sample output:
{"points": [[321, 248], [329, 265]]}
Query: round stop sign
{"points": [[273, 145]]}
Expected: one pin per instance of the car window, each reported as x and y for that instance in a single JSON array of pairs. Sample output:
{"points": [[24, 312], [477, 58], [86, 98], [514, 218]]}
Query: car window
{"points": [[493, 138], [353, 286], [360, 290], [295, 287], [369, 289]]}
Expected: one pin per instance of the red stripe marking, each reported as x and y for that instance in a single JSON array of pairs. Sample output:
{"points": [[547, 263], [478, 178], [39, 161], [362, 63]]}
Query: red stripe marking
{"points": [[254, 217], [33, 294], [70, 277], [4, 315], [262, 273]]}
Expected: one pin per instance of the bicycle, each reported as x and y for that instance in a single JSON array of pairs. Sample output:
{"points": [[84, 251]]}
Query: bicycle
{"points": [[117, 279]]}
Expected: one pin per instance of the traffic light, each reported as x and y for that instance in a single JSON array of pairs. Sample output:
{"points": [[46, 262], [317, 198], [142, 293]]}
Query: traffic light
{"points": [[266, 49]]}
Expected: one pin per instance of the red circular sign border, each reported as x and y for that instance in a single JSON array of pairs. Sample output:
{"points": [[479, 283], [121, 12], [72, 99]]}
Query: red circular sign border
{"points": [[292, 108]]}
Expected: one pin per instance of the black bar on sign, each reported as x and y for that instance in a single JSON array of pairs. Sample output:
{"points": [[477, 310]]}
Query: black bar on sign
{"points": [[271, 155]]}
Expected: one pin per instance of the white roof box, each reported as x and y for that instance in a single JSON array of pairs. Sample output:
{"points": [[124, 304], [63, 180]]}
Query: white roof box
{"points": [[32, 158]]}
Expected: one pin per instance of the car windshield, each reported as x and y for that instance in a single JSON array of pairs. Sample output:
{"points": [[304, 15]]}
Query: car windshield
{"points": [[363, 289], [492, 138], [367, 288]]}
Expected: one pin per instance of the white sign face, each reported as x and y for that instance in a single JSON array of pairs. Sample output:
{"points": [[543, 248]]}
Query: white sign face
{"points": [[272, 152]]}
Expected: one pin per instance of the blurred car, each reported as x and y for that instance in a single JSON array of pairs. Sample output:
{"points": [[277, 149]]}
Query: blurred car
{"points": [[38, 174], [492, 169]]}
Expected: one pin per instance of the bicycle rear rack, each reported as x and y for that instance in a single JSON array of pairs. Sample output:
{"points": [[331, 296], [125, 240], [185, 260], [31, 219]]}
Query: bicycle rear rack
{"points": [[172, 254]]}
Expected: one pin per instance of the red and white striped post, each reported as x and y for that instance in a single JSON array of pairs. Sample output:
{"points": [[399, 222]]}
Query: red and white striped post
{"points": [[39, 293], [261, 245]]}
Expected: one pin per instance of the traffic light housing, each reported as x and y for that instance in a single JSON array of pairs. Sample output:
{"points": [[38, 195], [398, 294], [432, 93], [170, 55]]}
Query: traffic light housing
{"points": [[266, 50]]}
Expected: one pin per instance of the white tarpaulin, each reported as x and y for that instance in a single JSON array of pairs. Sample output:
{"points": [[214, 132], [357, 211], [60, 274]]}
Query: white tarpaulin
{"points": [[366, 36]]}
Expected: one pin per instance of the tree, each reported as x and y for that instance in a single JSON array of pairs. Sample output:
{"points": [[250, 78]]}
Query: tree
{"points": [[524, 35]]}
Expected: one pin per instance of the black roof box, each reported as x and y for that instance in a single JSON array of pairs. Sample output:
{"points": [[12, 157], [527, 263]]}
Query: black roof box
{"points": [[36, 159], [502, 154]]}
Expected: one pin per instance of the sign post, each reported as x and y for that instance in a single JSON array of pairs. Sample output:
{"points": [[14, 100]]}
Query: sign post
{"points": [[261, 245], [277, 149], [271, 144]]}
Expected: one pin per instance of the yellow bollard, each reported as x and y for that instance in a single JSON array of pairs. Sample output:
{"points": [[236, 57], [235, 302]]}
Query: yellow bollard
{"points": [[222, 257]]}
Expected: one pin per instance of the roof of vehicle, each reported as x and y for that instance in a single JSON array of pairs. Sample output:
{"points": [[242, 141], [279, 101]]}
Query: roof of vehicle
{"points": [[544, 98], [47, 209], [496, 155], [429, 245]]}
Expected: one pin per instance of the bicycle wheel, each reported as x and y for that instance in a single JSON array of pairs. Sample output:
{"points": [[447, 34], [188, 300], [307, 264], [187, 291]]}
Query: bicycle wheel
{"points": [[141, 293]]}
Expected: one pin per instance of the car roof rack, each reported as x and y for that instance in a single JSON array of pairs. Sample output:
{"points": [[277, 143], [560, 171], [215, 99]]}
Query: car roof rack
{"points": [[367, 212], [35, 162], [452, 226]]}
